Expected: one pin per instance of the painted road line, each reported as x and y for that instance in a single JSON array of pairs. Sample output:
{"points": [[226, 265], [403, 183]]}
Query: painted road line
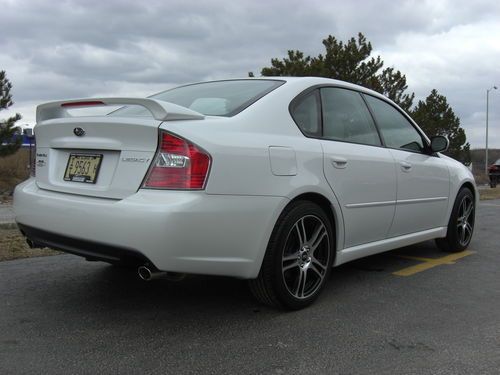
{"points": [[429, 263]]}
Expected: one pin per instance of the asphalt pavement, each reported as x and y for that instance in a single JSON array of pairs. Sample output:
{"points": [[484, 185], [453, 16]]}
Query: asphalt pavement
{"points": [[63, 315]]}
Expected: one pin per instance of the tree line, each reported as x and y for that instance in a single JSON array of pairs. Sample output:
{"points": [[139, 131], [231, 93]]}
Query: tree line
{"points": [[353, 62], [8, 143]]}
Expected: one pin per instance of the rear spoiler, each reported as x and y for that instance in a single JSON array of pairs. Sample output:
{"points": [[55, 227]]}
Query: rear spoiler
{"points": [[161, 110]]}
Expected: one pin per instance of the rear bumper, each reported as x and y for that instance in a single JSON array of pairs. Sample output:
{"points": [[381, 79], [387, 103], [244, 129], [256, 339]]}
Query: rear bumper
{"points": [[88, 249], [190, 232]]}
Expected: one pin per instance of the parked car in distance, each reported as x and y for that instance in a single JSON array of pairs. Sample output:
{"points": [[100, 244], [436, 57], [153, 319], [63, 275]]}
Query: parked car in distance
{"points": [[274, 180], [494, 173]]}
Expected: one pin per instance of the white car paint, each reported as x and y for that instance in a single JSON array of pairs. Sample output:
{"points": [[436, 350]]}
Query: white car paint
{"points": [[423, 191], [260, 162], [365, 185]]}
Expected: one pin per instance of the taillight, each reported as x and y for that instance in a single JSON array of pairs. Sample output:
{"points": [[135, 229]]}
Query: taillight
{"points": [[178, 164], [493, 168]]}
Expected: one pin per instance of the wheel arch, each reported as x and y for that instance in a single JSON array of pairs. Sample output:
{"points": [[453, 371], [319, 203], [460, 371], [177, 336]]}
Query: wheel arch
{"points": [[470, 186], [327, 206], [475, 193]]}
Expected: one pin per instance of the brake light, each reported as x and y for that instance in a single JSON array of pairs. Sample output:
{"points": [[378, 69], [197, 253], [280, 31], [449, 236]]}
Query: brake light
{"points": [[492, 168], [178, 164], [85, 103]]}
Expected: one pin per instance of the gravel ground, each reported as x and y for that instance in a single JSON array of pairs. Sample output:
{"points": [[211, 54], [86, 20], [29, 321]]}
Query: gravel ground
{"points": [[6, 212], [14, 246]]}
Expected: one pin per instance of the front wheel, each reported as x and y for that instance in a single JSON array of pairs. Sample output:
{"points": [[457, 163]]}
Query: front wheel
{"points": [[298, 258], [461, 224]]}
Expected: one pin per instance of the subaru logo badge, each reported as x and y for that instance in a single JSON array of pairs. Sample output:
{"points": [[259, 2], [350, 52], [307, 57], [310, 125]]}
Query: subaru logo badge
{"points": [[79, 132]]}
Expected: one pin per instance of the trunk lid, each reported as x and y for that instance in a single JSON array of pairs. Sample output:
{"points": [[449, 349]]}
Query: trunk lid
{"points": [[101, 156]]}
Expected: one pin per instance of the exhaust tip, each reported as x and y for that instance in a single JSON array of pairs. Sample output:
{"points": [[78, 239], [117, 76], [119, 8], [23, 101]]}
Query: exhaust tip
{"points": [[147, 274], [144, 273]]}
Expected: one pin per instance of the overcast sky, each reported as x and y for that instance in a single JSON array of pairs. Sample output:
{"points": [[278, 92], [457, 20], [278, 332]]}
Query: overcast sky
{"points": [[72, 49]]}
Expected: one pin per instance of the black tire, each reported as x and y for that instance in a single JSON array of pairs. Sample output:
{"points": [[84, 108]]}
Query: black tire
{"points": [[298, 258], [461, 224], [493, 183]]}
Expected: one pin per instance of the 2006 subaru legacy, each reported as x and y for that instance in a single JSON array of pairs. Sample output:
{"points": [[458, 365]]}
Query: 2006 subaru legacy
{"points": [[271, 180]]}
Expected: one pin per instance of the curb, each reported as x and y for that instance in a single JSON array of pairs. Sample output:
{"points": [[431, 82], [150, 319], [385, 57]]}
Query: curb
{"points": [[11, 225]]}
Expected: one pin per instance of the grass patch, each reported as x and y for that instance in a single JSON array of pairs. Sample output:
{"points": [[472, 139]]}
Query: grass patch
{"points": [[13, 170], [485, 194], [14, 246]]}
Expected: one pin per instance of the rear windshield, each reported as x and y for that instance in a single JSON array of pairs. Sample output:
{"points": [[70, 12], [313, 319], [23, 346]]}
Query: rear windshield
{"points": [[218, 98]]}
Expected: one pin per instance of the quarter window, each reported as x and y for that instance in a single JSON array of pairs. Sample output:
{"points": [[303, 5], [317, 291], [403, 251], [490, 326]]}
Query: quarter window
{"points": [[346, 117], [306, 114], [396, 130]]}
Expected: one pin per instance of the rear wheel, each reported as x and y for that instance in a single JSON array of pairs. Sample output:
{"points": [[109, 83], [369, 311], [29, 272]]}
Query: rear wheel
{"points": [[461, 224], [298, 258], [493, 182]]}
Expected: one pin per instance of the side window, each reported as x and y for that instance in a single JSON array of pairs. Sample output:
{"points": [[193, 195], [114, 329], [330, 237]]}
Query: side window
{"points": [[346, 117], [305, 112], [396, 130]]}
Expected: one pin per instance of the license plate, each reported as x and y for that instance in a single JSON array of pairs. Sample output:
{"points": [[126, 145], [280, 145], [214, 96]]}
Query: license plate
{"points": [[83, 168]]}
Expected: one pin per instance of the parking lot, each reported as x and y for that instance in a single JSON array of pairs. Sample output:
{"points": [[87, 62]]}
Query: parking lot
{"points": [[414, 310]]}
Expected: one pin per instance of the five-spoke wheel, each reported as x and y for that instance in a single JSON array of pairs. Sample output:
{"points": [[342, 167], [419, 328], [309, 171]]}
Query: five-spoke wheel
{"points": [[298, 259], [465, 220], [306, 256], [461, 224]]}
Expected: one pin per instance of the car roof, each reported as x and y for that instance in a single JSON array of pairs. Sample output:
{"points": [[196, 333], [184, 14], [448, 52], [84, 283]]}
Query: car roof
{"points": [[304, 82]]}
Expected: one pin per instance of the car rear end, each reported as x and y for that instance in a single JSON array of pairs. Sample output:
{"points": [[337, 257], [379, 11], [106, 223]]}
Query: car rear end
{"points": [[494, 173], [126, 189]]}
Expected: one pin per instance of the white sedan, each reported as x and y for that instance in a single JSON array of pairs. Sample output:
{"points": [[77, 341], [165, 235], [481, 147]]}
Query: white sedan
{"points": [[274, 180]]}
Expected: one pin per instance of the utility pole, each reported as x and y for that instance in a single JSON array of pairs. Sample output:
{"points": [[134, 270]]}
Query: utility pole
{"points": [[487, 113]]}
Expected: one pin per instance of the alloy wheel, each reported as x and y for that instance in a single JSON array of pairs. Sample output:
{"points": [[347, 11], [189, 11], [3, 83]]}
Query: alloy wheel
{"points": [[465, 221], [306, 256]]}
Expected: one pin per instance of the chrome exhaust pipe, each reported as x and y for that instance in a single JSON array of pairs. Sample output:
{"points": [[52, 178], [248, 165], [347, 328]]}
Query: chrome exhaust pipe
{"points": [[146, 274]]}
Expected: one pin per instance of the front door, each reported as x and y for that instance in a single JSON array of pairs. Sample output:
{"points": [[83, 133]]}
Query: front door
{"points": [[423, 179]]}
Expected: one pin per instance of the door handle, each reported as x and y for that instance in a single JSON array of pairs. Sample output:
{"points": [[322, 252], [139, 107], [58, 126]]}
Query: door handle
{"points": [[405, 166], [339, 162]]}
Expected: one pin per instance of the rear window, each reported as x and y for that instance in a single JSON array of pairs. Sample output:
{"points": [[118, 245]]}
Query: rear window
{"points": [[218, 98]]}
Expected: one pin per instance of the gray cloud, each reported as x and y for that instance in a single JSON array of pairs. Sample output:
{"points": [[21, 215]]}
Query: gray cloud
{"points": [[87, 48]]}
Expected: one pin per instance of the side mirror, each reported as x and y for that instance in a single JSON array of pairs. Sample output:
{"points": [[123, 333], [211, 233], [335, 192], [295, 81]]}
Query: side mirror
{"points": [[439, 143]]}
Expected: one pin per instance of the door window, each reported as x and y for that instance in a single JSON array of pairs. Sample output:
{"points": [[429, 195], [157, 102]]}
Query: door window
{"points": [[346, 117], [396, 130]]}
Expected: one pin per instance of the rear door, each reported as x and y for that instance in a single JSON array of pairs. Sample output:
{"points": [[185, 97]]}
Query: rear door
{"points": [[360, 172], [423, 180]]}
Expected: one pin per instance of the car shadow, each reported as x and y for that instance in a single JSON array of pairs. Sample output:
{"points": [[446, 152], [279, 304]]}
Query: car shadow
{"points": [[111, 287]]}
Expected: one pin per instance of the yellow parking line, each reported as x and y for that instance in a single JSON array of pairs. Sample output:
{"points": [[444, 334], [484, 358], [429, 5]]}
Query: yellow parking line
{"points": [[416, 258], [430, 263]]}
